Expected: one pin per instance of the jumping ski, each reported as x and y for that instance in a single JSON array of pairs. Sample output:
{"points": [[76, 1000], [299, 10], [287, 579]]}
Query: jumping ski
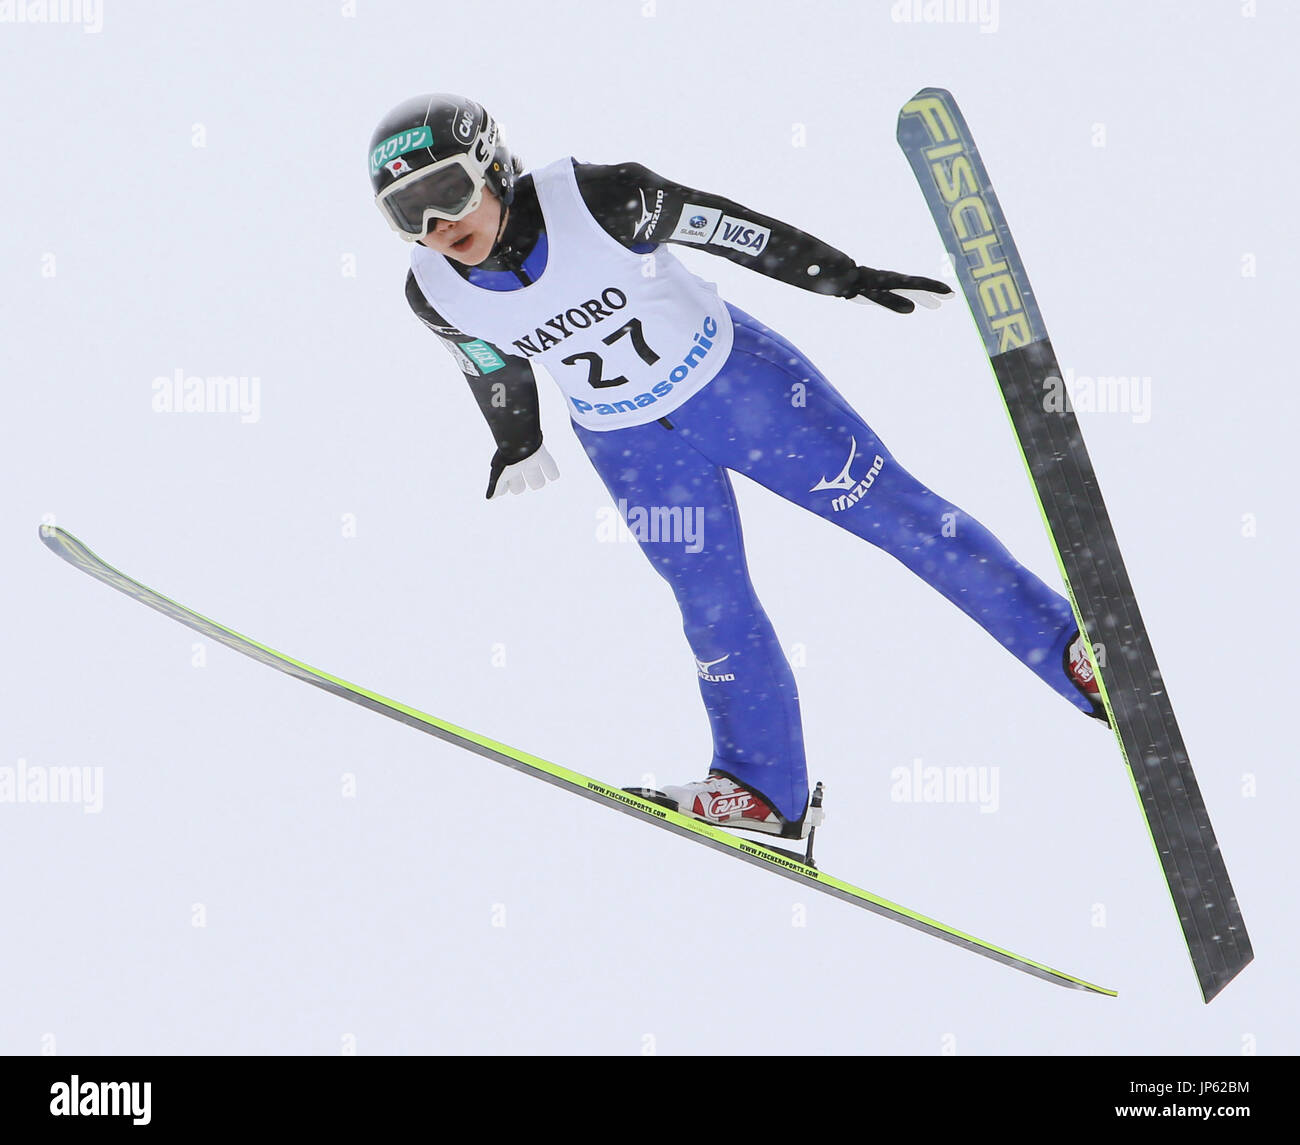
{"points": [[943, 155], [787, 864]]}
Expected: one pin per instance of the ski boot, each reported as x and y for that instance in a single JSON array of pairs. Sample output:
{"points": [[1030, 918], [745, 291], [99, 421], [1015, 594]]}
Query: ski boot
{"points": [[1079, 668], [723, 802]]}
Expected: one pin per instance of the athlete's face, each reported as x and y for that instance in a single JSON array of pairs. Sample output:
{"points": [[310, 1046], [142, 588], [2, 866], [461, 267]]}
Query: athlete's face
{"points": [[468, 240]]}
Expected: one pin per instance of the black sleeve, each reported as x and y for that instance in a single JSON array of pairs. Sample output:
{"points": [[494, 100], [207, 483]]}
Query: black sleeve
{"points": [[639, 208], [503, 384]]}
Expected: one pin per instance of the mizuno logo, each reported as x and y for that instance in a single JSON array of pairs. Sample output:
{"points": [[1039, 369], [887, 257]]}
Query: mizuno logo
{"points": [[703, 666], [648, 216], [844, 480]]}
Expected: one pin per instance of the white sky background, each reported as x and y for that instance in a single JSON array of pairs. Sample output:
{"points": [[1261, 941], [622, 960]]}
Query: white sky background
{"points": [[186, 189]]}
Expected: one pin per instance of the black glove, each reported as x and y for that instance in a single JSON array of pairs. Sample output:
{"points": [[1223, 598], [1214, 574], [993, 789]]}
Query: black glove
{"points": [[877, 286]]}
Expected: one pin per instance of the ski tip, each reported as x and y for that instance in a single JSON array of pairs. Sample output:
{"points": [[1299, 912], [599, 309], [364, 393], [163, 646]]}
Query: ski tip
{"points": [[933, 93], [57, 539], [63, 544], [926, 103]]}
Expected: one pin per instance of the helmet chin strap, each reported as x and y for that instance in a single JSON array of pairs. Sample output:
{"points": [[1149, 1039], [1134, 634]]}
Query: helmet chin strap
{"points": [[505, 216]]}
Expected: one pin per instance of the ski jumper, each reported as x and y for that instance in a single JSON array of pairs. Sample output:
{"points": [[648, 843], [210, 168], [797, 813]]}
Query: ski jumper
{"points": [[669, 388]]}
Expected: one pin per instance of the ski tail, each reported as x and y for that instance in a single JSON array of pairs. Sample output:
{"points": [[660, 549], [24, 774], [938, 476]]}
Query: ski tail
{"points": [[74, 552], [939, 146]]}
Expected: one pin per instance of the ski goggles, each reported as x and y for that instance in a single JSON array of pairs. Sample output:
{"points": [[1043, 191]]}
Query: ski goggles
{"points": [[448, 189]]}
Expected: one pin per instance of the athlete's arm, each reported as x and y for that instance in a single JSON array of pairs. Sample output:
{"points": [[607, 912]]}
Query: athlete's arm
{"points": [[639, 208], [506, 394]]}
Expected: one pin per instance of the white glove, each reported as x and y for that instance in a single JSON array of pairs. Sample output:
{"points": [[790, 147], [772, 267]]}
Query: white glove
{"points": [[900, 293], [531, 473], [927, 298]]}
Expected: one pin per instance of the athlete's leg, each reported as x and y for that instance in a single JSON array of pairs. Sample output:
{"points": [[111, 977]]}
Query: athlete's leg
{"points": [[682, 510], [772, 416]]}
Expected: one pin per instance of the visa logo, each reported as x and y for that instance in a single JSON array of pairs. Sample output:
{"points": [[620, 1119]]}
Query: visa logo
{"points": [[742, 235]]}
